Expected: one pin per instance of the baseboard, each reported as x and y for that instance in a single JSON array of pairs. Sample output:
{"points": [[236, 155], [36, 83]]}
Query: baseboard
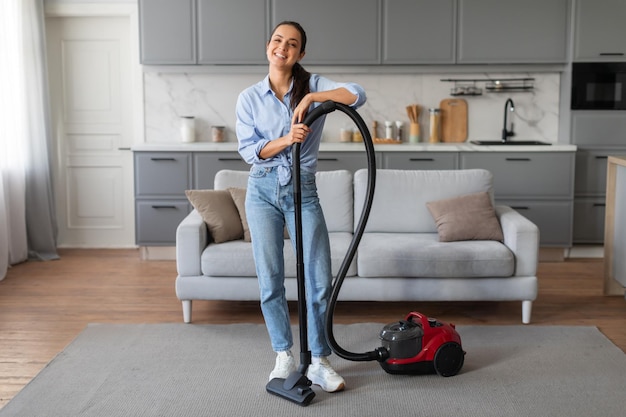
{"points": [[157, 253]]}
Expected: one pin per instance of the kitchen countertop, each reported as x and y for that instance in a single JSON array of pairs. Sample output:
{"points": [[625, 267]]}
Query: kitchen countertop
{"points": [[352, 147]]}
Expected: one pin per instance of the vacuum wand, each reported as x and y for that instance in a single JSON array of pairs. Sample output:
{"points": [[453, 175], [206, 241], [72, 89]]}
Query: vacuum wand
{"points": [[381, 353]]}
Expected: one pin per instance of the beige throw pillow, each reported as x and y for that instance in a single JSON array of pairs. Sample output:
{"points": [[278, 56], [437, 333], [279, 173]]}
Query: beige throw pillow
{"points": [[219, 212], [469, 217], [239, 197]]}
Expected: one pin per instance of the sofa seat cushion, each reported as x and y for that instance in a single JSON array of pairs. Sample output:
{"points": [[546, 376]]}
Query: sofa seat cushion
{"points": [[235, 259], [422, 255]]}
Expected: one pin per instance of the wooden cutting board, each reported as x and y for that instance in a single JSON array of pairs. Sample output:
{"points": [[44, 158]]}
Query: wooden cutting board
{"points": [[453, 120]]}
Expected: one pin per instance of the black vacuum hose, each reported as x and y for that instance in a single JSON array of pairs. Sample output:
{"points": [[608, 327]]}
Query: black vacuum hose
{"points": [[380, 354]]}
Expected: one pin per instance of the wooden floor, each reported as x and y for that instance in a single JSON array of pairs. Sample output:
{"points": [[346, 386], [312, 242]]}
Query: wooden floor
{"points": [[44, 305]]}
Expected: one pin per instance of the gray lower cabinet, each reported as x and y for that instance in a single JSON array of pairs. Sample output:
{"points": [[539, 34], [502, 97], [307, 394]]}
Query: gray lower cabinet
{"points": [[540, 185], [206, 165], [421, 160], [598, 135], [590, 192], [589, 214], [352, 161], [161, 179]]}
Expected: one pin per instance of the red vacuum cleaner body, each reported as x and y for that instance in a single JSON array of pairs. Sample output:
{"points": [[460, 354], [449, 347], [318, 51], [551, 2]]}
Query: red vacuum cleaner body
{"points": [[422, 345]]}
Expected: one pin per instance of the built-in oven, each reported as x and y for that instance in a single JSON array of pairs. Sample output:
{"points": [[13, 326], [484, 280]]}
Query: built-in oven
{"points": [[599, 86]]}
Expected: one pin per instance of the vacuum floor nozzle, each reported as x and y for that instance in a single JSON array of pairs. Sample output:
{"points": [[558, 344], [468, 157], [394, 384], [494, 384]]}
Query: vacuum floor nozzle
{"points": [[296, 388]]}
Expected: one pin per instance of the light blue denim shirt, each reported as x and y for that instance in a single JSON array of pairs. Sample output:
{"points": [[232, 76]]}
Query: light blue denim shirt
{"points": [[262, 117]]}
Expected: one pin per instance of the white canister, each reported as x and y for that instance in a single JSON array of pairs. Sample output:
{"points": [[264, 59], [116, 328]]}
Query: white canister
{"points": [[188, 129]]}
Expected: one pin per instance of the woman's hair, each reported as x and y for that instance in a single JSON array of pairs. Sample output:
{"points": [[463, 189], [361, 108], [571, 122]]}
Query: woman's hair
{"points": [[300, 75]]}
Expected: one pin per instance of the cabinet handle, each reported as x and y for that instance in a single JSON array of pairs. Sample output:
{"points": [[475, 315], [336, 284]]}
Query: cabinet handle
{"points": [[328, 159], [520, 208], [229, 159], [421, 159], [601, 157], [164, 207], [518, 159], [611, 54], [123, 149], [599, 205], [162, 159]]}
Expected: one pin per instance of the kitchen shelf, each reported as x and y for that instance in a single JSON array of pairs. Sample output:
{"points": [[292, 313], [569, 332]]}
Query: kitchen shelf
{"points": [[467, 86]]}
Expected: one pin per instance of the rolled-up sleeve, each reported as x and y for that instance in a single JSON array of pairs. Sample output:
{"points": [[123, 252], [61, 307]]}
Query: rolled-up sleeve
{"points": [[319, 83]]}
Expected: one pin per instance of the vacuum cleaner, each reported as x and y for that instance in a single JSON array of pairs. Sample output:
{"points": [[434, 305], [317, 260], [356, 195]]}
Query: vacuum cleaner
{"points": [[414, 345]]}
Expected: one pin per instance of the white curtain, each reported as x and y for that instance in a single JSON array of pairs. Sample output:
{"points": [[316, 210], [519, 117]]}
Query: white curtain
{"points": [[27, 220]]}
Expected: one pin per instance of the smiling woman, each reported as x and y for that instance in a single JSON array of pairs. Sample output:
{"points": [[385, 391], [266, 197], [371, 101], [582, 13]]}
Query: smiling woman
{"points": [[27, 225]]}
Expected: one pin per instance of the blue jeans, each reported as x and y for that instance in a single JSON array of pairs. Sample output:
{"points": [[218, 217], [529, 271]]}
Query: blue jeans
{"points": [[269, 206]]}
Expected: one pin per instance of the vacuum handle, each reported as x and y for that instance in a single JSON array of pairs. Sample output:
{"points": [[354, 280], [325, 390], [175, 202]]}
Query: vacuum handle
{"points": [[324, 108]]}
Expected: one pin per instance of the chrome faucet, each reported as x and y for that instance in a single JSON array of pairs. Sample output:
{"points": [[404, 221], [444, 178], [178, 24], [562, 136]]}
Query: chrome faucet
{"points": [[506, 133]]}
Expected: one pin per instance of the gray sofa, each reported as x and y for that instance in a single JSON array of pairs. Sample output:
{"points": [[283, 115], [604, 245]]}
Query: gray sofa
{"points": [[400, 257]]}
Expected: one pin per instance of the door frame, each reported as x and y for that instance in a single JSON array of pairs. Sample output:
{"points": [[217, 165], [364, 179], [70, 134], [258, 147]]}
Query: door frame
{"points": [[128, 11]]}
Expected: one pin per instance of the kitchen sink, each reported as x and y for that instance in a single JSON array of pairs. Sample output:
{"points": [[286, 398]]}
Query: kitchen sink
{"points": [[509, 142]]}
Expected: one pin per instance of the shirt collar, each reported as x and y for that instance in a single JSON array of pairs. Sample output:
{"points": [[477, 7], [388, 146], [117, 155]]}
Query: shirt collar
{"points": [[268, 89]]}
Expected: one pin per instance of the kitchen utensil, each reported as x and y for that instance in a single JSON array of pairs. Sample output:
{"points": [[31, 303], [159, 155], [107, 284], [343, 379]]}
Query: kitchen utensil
{"points": [[453, 120], [413, 112]]}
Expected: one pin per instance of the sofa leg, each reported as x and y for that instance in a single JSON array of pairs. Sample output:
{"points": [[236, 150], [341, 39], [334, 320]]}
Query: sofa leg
{"points": [[187, 311], [527, 308]]}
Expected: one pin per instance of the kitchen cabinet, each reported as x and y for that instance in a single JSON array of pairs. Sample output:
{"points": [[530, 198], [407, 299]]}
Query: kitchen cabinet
{"points": [[421, 160], [167, 31], [540, 185], [160, 202], [352, 161], [187, 32], [343, 32], [206, 165], [232, 31], [599, 30], [597, 134], [419, 32], [512, 31]]}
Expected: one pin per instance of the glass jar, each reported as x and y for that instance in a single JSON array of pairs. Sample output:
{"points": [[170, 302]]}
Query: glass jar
{"points": [[435, 125]]}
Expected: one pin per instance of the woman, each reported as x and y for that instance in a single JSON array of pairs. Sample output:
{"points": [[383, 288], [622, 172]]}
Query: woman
{"points": [[268, 124]]}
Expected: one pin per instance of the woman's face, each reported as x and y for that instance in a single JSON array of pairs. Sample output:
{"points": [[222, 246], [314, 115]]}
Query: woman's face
{"points": [[283, 48]]}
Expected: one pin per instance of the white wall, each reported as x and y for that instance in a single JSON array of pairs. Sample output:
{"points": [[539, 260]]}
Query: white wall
{"points": [[211, 98]]}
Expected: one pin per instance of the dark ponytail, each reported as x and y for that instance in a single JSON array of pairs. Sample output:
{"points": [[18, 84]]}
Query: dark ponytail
{"points": [[301, 76]]}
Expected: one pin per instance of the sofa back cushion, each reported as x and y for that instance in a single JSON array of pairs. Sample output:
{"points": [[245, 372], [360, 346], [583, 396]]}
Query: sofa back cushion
{"points": [[333, 187], [400, 196]]}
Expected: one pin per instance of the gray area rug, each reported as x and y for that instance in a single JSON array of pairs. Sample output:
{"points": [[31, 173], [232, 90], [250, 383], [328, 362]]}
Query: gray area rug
{"points": [[221, 370]]}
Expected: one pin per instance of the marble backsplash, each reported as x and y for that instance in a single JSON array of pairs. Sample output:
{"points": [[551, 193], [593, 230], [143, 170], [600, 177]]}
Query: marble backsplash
{"points": [[211, 99]]}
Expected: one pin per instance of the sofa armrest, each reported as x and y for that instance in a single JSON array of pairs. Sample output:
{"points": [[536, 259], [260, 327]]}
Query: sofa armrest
{"points": [[191, 239], [521, 236]]}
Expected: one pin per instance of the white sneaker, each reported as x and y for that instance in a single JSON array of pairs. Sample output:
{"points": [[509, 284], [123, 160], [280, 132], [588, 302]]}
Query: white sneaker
{"points": [[322, 374], [285, 364]]}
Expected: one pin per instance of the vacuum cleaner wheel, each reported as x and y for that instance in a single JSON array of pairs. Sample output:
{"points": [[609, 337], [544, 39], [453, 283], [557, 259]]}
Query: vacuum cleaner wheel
{"points": [[449, 359]]}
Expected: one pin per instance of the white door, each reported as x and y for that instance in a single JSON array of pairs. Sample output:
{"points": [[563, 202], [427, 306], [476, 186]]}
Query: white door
{"points": [[90, 74]]}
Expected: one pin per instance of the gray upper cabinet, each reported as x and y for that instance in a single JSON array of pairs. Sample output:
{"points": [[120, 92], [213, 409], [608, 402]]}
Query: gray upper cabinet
{"points": [[512, 31], [419, 31], [600, 31], [345, 32], [188, 32], [167, 32], [232, 31]]}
